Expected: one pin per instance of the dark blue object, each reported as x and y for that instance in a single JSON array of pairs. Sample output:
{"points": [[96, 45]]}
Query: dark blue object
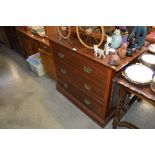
{"points": [[140, 33], [130, 52], [131, 41]]}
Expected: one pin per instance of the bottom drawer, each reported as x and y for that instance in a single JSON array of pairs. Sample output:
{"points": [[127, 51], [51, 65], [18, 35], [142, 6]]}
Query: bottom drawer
{"points": [[86, 100]]}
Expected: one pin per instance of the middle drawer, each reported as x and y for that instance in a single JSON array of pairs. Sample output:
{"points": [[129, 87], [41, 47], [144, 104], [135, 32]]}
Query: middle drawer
{"points": [[65, 72], [89, 87]]}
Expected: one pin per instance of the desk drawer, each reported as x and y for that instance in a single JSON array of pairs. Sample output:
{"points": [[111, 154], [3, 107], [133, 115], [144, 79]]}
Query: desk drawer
{"points": [[85, 100], [48, 63], [45, 47]]}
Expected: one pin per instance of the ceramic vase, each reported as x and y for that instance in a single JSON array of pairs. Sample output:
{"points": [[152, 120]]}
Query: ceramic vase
{"points": [[116, 39]]}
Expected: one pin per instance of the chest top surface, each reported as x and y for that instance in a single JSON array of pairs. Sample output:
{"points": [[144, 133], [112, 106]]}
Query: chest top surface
{"points": [[75, 45]]}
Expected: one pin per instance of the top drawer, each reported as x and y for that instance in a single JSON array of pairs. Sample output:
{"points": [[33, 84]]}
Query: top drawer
{"points": [[62, 54]]}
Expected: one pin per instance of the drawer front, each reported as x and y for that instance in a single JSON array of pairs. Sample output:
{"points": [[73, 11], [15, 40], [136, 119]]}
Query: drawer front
{"points": [[48, 63], [64, 55], [41, 50], [92, 69], [46, 48], [65, 72], [26, 42], [90, 87], [85, 100], [35, 45]]}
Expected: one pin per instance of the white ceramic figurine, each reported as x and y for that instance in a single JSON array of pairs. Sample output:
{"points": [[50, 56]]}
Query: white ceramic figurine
{"points": [[107, 46], [99, 52]]}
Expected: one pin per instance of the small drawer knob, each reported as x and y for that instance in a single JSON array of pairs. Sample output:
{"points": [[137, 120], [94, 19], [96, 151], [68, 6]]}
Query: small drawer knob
{"points": [[45, 47], [61, 55], [87, 102], [63, 71], [65, 85], [87, 69], [86, 86], [39, 49]]}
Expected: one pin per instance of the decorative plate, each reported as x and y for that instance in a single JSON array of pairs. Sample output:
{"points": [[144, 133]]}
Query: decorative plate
{"points": [[138, 74], [148, 59], [152, 86], [152, 48]]}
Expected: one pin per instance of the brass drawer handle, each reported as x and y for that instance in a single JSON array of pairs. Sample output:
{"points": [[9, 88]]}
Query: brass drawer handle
{"points": [[86, 86], [45, 47], [61, 55], [65, 85], [87, 102], [43, 51], [63, 71], [87, 69]]}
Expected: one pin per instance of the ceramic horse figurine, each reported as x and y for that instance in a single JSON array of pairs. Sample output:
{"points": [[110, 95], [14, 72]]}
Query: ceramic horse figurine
{"points": [[99, 52]]}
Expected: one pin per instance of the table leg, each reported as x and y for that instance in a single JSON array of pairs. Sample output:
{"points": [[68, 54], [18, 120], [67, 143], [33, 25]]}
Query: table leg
{"points": [[121, 109], [122, 106]]}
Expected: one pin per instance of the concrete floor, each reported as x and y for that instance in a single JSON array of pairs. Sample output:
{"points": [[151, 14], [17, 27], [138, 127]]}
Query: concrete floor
{"points": [[28, 101]]}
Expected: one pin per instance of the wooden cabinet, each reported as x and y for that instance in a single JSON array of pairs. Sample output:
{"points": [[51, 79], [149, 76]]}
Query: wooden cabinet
{"points": [[33, 44], [84, 81], [47, 59]]}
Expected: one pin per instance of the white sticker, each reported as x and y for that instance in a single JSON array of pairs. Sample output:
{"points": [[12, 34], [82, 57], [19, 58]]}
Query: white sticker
{"points": [[74, 49]]}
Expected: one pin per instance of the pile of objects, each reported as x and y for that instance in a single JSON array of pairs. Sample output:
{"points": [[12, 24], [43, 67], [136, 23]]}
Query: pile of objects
{"points": [[121, 44], [39, 30]]}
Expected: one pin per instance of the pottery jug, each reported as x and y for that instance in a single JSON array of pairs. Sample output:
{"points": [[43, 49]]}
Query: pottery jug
{"points": [[116, 39]]}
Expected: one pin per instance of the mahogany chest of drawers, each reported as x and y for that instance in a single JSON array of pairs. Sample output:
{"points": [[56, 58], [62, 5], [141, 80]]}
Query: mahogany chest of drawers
{"points": [[84, 79]]}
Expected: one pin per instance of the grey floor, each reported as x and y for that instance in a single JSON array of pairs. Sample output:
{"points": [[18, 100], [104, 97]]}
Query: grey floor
{"points": [[28, 101]]}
